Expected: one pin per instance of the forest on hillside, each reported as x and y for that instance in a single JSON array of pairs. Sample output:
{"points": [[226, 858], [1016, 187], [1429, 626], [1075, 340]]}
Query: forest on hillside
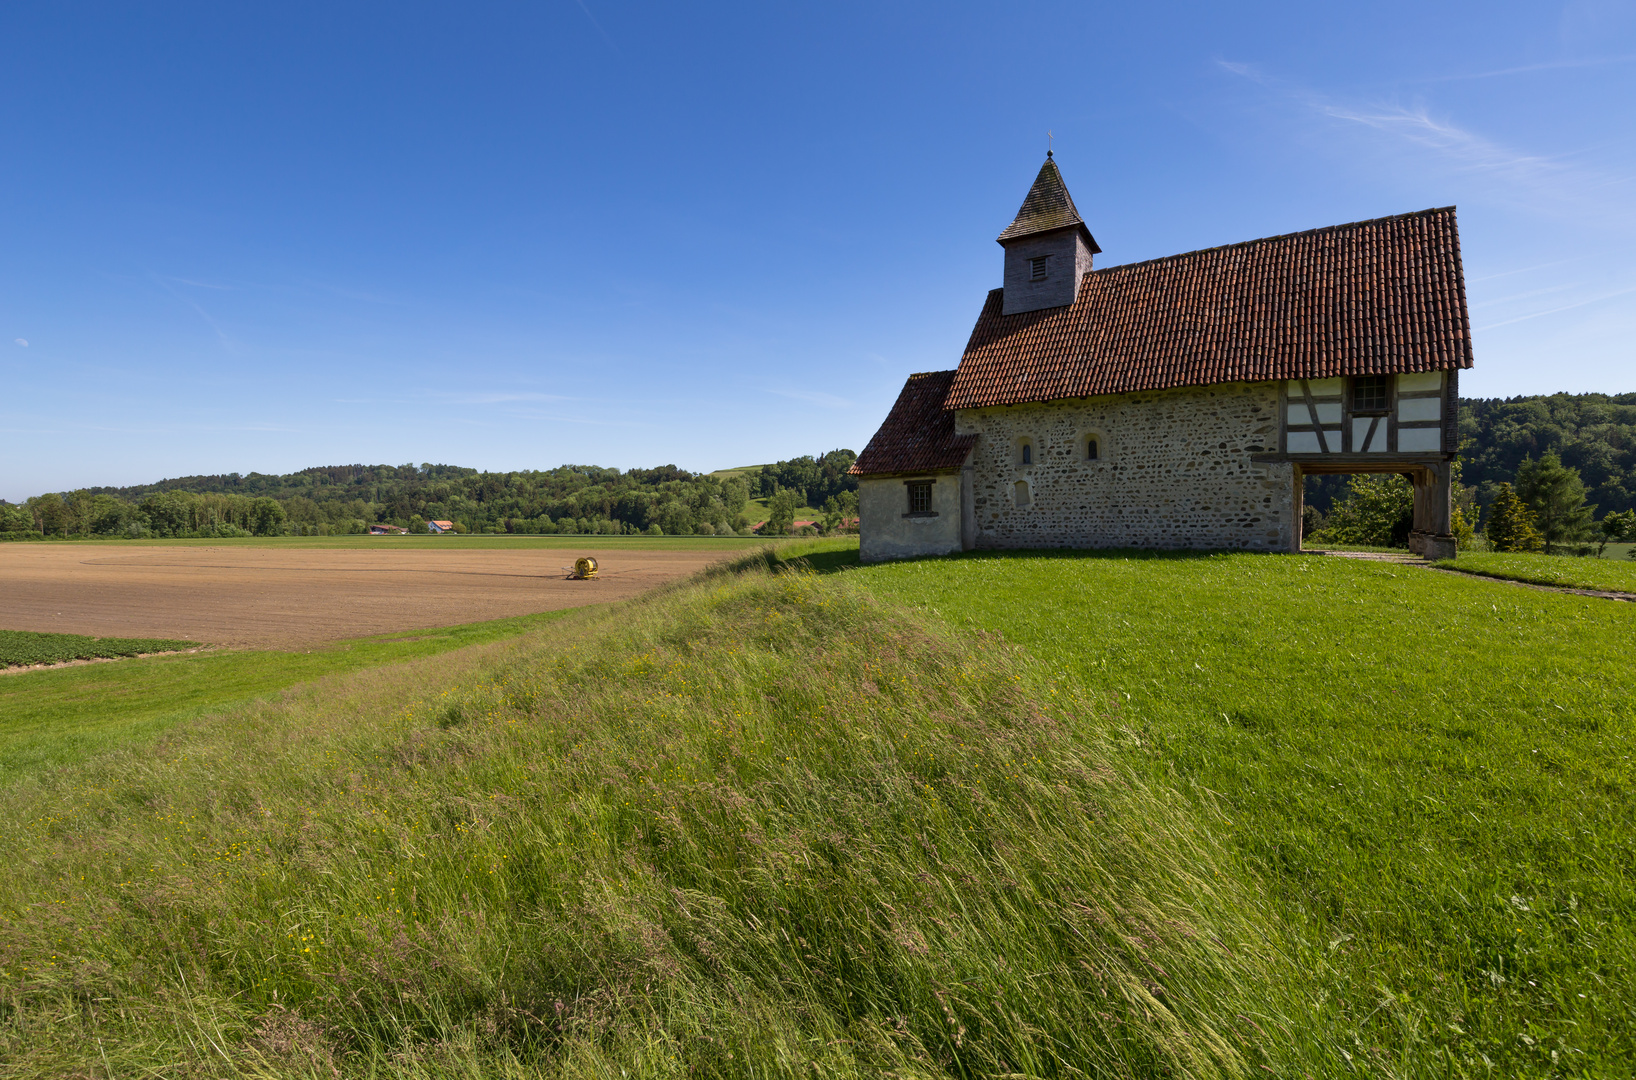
{"points": [[341, 499]]}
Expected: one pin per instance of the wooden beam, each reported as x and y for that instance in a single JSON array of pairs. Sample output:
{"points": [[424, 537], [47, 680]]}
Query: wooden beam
{"points": [[1312, 411]]}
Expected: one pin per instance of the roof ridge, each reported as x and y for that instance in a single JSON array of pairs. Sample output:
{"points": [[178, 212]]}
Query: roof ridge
{"points": [[1277, 236]]}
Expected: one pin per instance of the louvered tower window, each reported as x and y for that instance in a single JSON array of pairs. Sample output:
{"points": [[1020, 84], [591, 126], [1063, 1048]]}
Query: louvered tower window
{"points": [[1037, 268]]}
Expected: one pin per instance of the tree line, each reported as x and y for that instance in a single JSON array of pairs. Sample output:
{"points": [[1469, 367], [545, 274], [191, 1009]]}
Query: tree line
{"points": [[350, 498]]}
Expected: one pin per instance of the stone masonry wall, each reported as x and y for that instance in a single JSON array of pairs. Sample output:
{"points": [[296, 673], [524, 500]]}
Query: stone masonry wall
{"points": [[1173, 471]]}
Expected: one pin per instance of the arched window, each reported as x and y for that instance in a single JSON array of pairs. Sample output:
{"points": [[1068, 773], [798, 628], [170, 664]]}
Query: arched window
{"points": [[1021, 493], [1028, 453], [1091, 449]]}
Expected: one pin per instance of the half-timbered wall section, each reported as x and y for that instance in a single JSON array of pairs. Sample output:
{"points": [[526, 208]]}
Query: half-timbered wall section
{"points": [[1375, 414]]}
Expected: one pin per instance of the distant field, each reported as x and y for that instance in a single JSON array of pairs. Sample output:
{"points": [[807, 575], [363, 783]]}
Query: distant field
{"points": [[756, 510], [20, 647], [1604, 574], [288, 594], [740, 470], [467, 542]]}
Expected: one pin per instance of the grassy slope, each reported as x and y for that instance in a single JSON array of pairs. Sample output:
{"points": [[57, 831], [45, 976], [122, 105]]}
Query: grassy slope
{"points": [[754, 826], [1601, 574], [1434, 773], [53, 717]]}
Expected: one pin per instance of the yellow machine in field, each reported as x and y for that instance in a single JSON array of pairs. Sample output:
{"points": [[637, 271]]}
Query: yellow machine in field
{"points": [[584, 569]]}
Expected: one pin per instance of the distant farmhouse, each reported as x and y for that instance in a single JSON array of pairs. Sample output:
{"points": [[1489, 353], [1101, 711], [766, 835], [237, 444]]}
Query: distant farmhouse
{"points": [[1178, 402], [440, 526], [386, 530]]}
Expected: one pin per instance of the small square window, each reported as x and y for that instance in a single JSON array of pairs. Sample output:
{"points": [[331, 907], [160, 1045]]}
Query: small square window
{"points": [[920, 497], [1037, 268], [1369, 394]]}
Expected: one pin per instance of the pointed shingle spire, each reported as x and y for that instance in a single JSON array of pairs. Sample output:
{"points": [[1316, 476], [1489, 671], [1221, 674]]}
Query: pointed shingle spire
{"points": [[1047, 208]]}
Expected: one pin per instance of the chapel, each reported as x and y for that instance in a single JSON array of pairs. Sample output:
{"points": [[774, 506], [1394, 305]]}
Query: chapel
{"points": [[1178, 402]]}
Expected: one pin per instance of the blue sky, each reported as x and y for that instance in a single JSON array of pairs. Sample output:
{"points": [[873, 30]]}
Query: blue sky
{"points": [[515, 235]]}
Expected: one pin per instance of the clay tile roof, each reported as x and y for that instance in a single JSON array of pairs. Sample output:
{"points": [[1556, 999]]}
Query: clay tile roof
{"points": [[918, 434], [1048, 207], [1374, 297]]}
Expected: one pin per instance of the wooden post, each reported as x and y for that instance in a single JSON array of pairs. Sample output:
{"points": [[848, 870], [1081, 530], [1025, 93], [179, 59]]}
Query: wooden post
{"points": [[1422, 502], [1440, 542]]}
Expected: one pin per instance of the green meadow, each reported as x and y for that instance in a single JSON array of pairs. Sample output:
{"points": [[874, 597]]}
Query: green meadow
{"points": [[1432, 776], [1019, 814]]}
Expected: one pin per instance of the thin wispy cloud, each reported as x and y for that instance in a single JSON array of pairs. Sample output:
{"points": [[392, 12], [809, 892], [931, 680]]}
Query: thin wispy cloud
{"points": [[1556, 184], [163, 283], [1529, 295], [21, 341], [497, 397], [576, 418], [1530, 69], [814, 397], [1553, 311], [203, 284], [598, 25], [1524, 270]]}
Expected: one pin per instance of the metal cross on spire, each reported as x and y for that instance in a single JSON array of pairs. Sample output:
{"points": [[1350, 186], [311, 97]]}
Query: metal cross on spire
{"points": [[1048, 144]]}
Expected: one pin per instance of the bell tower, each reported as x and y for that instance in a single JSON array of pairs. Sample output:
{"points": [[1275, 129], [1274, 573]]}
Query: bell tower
{"points": [[1047, 248]]}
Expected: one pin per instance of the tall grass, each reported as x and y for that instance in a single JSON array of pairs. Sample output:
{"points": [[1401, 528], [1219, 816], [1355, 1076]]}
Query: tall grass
{"points": [[760, 825]]}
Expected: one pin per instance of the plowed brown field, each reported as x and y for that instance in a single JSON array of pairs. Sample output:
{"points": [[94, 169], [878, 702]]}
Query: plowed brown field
{"points": [[285, 598]]}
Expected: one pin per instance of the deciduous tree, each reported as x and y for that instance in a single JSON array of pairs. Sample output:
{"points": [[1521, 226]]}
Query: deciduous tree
{"points": [[780, 512], [1378, 511]]}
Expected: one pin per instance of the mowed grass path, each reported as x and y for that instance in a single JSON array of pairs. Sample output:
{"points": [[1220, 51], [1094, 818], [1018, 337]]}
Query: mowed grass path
{"points": [[1604, 575], [1433, 774], [53, 717]]}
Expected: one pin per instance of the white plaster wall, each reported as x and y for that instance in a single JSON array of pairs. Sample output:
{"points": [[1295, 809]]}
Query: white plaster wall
{"points": [[886, 532], [1174, 472]]}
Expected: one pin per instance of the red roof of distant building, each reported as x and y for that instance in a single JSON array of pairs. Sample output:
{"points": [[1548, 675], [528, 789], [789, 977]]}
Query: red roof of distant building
{"points": [[918, 434], [1372, 297]]}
